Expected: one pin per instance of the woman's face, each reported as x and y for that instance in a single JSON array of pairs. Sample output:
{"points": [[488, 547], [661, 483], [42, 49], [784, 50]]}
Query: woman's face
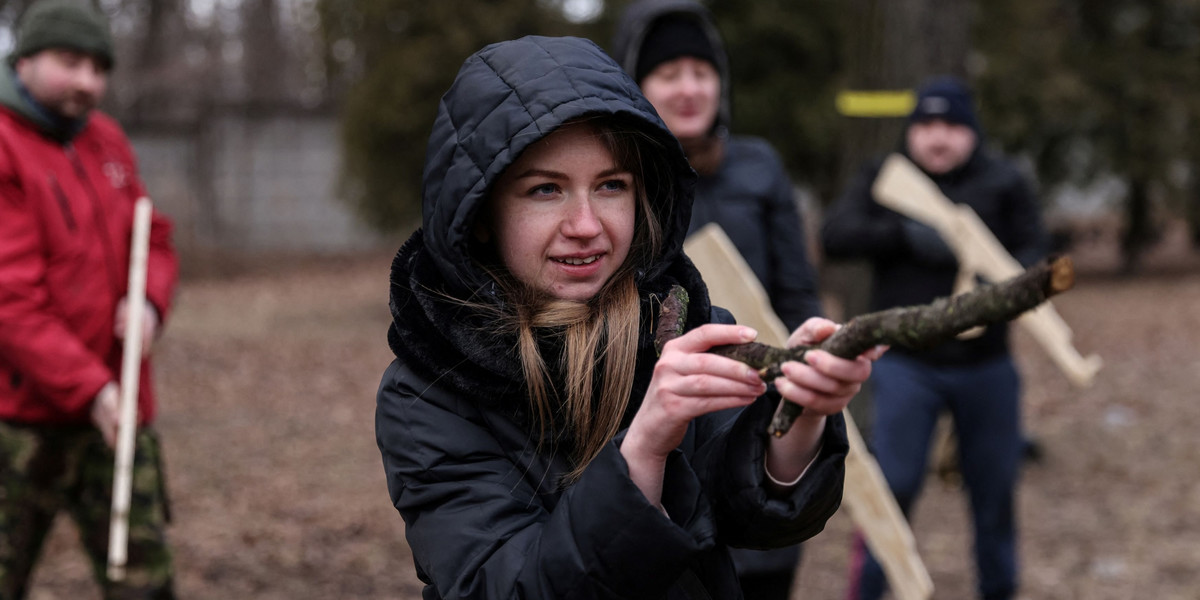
{"points": [[562, 215], [686, 92]]}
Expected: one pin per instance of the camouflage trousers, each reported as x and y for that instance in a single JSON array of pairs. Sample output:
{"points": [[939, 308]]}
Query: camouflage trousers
{"points": [[46, 470]]}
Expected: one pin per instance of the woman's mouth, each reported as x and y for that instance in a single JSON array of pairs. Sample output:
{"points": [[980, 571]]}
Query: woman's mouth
{"points": [[572, 260]]}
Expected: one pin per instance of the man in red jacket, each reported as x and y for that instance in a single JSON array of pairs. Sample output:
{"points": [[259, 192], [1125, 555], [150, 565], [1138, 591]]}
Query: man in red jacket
{"points": [[68, 184]]}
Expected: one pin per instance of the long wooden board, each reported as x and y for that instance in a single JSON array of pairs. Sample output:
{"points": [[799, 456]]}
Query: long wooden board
{"points": [[732, 285]]}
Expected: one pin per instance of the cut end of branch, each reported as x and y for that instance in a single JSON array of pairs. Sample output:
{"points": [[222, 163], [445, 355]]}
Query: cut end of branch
{"points": [[1062, 274]]}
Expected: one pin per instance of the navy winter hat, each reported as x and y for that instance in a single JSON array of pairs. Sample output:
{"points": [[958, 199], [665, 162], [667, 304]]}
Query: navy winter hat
{"points": [[671, 37], [75, 24], [946, 98]]}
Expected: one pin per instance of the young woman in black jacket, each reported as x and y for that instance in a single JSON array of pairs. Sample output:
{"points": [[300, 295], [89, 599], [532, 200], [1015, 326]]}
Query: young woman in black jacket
{"points": [[674, 49], [533, 440]]}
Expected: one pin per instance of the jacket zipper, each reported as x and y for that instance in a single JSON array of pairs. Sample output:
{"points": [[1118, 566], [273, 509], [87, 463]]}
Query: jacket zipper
{"points": [[110, 261], [63, 204]]}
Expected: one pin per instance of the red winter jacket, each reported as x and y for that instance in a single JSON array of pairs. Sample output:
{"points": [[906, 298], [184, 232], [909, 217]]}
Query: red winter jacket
{"points": [[66, 216]]}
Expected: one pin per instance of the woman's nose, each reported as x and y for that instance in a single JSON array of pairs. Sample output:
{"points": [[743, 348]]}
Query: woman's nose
{"points": [[581, 219]]}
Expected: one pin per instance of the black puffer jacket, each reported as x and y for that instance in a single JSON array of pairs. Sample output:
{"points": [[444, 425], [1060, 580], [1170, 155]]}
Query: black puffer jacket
{"points": [[858, 227], [751, 198], [749, 193], [484, 511]]}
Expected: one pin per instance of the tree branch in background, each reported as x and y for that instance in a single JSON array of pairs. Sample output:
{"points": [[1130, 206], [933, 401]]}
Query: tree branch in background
{"points": [[917, 327]]}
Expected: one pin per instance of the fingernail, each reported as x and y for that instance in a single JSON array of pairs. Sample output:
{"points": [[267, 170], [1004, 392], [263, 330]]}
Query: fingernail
{"points": [[748, 334]]}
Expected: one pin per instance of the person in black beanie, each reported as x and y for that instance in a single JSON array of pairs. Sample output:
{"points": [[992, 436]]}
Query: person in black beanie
{"points": [[975, 380], [675, 53]]}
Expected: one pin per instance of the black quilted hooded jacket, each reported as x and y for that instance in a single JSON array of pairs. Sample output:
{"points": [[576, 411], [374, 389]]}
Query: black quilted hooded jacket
{"points": [[485, 513]]}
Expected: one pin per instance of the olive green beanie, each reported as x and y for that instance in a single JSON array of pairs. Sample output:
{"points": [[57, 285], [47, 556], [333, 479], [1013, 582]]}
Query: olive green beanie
{"points": [[75, 24]]}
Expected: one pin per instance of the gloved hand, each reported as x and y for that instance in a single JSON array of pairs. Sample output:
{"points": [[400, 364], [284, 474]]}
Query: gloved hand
{"points": [[927, 245]]}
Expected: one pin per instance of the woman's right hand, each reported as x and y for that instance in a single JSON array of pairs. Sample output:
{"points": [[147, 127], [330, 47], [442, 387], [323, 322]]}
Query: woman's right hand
{"points": [[688, 382]]}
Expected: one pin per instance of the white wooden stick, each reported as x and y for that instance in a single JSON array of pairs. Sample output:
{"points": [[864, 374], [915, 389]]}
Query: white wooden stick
{"points": [[733, 286], [131, 359]]}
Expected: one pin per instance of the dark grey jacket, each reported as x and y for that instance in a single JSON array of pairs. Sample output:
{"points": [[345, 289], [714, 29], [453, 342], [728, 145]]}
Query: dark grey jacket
{"points": [[485, 513], [858, 227], [751, 198], [749, 195]]}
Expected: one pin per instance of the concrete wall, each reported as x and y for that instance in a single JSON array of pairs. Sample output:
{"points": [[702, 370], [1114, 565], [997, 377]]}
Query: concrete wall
{"points": [[252, 183]]}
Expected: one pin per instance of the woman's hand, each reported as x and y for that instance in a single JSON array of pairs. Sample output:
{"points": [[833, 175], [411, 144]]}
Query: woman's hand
{"points": [[688, 382], [824, 386]]}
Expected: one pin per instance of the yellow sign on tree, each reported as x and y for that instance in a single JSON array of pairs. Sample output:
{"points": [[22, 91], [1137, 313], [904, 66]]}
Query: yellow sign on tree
{"points": [[875, 103]]}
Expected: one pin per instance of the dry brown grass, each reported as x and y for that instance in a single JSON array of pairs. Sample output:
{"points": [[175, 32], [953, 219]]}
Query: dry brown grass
{"points": [[268, 380]]}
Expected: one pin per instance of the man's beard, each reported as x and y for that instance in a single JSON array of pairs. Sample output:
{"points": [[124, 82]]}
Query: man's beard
{"points": [[72, 106]]}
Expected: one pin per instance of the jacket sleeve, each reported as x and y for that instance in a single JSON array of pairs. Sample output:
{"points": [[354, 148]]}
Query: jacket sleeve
{"points": [[478, 528], [728, 452], [731, 465], [793, 285], [1029, 240], [853, 228], [34, 340]]}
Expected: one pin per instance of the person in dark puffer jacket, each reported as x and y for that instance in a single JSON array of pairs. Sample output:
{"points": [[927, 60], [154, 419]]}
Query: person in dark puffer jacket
{"points": [[974, 379], [533, 440], [675, 52]]}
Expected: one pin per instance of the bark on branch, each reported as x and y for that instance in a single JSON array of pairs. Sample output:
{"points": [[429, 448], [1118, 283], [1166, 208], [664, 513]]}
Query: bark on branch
{"points": [[917, 327]]}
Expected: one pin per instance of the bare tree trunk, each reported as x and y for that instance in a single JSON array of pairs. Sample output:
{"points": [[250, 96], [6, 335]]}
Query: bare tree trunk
{"points": [[1140, 232], [892, 45], [11, 10], [153, 74], [265, 60], [1193, 219]]}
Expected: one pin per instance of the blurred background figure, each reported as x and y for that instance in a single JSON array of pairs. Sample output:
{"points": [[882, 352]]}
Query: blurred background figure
{"points": [[675, 52], [974, 379], [67, 190]]}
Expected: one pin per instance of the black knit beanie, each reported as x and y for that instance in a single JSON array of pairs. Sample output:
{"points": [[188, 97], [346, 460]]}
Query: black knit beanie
{"points": [[74, 24], [671, 37], [946, 98]]}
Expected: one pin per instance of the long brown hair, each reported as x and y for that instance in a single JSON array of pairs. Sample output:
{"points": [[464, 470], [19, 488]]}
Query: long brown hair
{"points": [[582, 394]]}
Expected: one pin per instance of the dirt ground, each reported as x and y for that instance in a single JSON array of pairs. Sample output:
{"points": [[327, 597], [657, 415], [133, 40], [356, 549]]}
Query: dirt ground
{"points": [[267, 382]]}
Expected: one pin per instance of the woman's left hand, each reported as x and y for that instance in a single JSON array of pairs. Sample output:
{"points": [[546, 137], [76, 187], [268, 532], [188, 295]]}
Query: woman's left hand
{"points": [[823, 386]]}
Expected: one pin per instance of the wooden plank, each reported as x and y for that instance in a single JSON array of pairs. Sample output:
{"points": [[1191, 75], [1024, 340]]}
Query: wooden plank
{"points": [[732, 285]]}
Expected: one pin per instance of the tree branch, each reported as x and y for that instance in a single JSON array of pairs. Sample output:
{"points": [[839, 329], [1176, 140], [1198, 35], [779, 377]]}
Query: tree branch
{"points": [[917, 327]]}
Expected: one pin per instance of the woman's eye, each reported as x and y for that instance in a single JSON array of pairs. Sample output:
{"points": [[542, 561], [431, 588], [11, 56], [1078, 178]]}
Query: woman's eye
{"points": [[544, 189], [614, 185]]}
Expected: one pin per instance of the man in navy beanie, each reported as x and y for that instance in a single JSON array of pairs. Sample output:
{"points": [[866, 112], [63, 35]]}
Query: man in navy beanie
{"points": [[68, 185], [975, 380]]}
